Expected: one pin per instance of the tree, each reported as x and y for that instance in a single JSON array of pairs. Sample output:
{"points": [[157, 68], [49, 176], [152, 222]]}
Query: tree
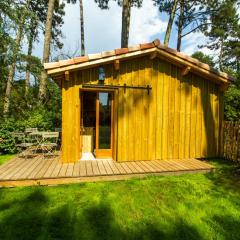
{"points": [[53, 21], [224, 25], [46, 49], [126, 15], [170, 8], [203, 58], [31, 39], [24, 11], [82, 28], [81, 24]]}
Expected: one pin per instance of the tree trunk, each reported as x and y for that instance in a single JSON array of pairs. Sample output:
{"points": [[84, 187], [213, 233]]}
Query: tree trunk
{"points": [[221, 56], [170, 22], [32, 37], [126, 15], [82, 28], [13, 66], [46, 50], [180, 26]]}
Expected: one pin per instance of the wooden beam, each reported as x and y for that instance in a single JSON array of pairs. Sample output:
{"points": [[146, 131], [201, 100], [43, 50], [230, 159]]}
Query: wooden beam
{"points": [[185, 70], [117, 64], [223, 87], [67, 76], [153, 55]]}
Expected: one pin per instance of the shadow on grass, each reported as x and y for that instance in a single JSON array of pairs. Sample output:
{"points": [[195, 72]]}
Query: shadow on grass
{"points": [[30, 218], [225, 176], [23, 218], [34, 216]]}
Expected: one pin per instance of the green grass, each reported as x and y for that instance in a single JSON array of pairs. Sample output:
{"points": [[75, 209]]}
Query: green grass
{"points": [[197, 206], [4, 158]]}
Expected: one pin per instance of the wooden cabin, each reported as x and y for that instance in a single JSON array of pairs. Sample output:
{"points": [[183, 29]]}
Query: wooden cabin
{"points": [[143, 102]]}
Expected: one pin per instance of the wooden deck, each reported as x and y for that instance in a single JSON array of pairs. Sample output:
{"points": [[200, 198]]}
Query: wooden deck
{"points": [[43, 171]]}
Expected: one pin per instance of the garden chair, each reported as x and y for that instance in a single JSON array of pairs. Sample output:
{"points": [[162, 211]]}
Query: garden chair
{"points": [[49, 142], [60, 136], [21, 143], [30, 130]]}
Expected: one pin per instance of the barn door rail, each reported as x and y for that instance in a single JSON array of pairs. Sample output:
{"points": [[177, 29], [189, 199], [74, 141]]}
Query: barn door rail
{"points": [[111, 86]]}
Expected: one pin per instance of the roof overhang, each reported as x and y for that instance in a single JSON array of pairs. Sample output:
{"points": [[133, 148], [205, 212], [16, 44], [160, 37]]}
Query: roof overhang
{"points": [[59, 70]]}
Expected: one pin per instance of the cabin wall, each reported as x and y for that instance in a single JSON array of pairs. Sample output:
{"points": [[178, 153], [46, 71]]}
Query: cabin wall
{"points": [[180, 118], [71, 141]]}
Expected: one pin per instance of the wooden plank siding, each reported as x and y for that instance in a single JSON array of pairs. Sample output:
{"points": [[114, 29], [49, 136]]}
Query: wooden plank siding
{"points": [[179, 118]]}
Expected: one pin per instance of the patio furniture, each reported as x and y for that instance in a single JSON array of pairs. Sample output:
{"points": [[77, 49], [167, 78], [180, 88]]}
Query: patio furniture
{"points": [[49, 142], [22, 143], [30, 130]]}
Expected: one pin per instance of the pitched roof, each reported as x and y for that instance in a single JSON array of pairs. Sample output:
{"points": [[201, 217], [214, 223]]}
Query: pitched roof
{"points": [[155, 48]]}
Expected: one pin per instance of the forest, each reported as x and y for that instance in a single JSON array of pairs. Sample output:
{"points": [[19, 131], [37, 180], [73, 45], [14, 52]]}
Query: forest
{"points": [[30, 99]]}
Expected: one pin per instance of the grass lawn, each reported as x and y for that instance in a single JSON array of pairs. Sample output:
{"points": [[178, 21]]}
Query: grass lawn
{"points": [[4, 158], [197, 206]]}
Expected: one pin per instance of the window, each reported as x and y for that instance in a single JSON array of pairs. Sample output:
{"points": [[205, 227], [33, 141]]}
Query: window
{"points": [[101, 76]]}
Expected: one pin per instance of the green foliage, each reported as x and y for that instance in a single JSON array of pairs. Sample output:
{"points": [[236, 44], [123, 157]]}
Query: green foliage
{"points": [[232, 104], [203, 58], [25, 112], [224, 31]]}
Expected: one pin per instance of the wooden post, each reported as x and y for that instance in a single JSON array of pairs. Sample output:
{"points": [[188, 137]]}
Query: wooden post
{"points": [[185, 70], [117, 65]]}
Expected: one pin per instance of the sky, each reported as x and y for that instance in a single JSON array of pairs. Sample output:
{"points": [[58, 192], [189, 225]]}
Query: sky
{"points": [[103, 29]]}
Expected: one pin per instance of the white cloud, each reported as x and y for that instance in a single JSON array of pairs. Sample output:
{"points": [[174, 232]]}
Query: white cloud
{"points": [[192, 41], [146, 23], [103, 28]]}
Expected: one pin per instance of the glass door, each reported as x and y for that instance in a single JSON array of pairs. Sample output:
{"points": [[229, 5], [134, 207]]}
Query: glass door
{"points": [[104, 123]]}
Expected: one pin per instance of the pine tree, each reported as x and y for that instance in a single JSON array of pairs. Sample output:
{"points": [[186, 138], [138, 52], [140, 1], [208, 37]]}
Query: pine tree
{"points": [[53, 22], [170, 7], [24, 11], [81, 24]]}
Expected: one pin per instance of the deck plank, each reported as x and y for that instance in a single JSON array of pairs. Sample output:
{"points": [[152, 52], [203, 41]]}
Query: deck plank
{"points": [[125, 167], [142, 166], [12, 169], [138, 169], [51, 168], [69, 171], [162, 167], [191, 164], [83, 170], [89, 168], [26, 165], [149, 166], [40, 168], [95, 168], [133, 167], [119, 167], [101, 168], [44, 169], [63, 170], [56, 170], [25, 174], [76, 169], [107, 167], [8, 164], [113, 167]]}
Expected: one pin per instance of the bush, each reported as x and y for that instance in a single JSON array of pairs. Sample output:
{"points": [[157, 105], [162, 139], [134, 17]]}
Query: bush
{"points": [[6, 139], [232, 104], [39, 118]]}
